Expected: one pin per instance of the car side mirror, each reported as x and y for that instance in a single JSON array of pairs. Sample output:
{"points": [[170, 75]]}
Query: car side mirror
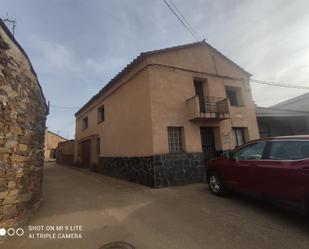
{"points": [[228, 155], [231, 155]]}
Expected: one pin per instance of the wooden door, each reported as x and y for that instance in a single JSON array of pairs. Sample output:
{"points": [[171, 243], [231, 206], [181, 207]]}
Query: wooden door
{"points": [[208, 143], [86, 153]]}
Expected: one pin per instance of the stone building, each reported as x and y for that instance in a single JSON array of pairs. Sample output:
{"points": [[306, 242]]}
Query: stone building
{"points": [[23, 113], [165, 115], [50, 146]]}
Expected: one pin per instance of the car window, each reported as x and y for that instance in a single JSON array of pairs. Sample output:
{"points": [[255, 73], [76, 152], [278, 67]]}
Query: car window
{"points": [[288, 150], [252, 151]]}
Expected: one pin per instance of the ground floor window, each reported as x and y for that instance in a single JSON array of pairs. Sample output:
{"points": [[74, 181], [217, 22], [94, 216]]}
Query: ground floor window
{"points": [[239, 136], [175, 139]]}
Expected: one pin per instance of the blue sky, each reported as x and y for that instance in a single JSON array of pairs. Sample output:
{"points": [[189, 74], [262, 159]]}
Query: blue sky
{"points": [[77, 46]]}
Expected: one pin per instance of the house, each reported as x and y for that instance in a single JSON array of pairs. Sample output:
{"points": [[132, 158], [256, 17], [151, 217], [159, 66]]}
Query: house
{"points": [[65, 152], [290, 117], [50, 146], [165, 114], [23, 112]]}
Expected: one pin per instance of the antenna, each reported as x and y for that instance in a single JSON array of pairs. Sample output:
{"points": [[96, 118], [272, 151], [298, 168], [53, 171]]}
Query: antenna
{"points": [[11, 22]]}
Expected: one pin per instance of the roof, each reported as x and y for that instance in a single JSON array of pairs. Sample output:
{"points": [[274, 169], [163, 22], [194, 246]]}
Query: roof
{"points": [[292, 100], [56, 135], [289, 137], [144, 55], [12, 38], [67, 141], [278, 112]]}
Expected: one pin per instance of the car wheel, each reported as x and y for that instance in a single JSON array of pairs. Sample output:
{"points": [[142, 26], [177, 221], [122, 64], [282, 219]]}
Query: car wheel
{"points": [[215, 183]]}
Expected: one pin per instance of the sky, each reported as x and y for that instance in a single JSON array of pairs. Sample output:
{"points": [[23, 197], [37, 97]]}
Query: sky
{"points": [[77, 46]]}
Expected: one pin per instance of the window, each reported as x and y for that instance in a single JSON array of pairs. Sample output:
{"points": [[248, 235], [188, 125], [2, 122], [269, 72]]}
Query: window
{"points": [[85, 123], [175, 139], [250, 152], [234, 96], [288, 150], [239, 136], [101, 114]]}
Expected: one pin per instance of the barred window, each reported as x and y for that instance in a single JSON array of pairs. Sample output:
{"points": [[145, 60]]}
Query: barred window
{"points": [[175, 139]]}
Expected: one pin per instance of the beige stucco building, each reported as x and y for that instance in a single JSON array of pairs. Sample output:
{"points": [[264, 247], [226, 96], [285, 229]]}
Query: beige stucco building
{"points": [[169, 110], [50, 145]]}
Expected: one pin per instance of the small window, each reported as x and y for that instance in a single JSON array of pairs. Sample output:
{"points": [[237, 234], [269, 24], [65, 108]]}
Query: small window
{"points": [[239, 136], [288, 150], [175, 139], [101, 114], [85, 123], [234, 96], [252, 151]]}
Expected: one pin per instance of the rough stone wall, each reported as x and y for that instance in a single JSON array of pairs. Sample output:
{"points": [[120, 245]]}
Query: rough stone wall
{"points": [[22, 126], [134, 169], [178, 169], [156, 171]]}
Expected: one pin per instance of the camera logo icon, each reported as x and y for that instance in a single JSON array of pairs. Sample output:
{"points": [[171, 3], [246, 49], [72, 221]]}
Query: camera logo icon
{"points": [[11, 232]]}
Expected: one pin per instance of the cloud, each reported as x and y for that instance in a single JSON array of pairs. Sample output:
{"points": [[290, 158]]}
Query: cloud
{"points": [[52, 57], [77, 46]]}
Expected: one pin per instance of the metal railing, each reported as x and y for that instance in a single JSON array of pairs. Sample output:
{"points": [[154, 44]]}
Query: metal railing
{"points": [[214, 105]]}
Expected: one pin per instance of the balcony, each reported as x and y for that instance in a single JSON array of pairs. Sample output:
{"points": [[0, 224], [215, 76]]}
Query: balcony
{"points": [[210, 108]]}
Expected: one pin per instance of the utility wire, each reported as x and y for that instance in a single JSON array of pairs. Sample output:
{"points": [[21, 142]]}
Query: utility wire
{"points": [[185, 20], [182, 22], [279, 84], [64, 107]]}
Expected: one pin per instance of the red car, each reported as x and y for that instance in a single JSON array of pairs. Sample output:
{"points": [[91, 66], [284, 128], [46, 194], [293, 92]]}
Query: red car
{"points": [[276, 168]]}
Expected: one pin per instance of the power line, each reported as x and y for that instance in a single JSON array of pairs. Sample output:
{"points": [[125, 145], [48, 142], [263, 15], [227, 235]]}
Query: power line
{"points": [[185, 19], [182, 22], [64, 107], [279, 84]]}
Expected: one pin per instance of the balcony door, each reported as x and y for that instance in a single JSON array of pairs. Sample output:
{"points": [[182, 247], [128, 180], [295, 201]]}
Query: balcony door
{"points": [[199, 91], [208, 143]]}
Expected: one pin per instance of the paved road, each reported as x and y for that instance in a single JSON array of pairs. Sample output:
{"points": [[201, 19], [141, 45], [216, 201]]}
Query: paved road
{"points": [[180, 217]]}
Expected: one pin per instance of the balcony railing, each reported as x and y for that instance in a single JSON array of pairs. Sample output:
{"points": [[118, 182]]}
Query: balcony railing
{"points": [[207, 108]]}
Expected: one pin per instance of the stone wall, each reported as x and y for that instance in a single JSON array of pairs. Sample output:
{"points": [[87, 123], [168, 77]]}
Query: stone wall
{"points": [[22, 125], [156, 171], [178, 169], [135, 169]]}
